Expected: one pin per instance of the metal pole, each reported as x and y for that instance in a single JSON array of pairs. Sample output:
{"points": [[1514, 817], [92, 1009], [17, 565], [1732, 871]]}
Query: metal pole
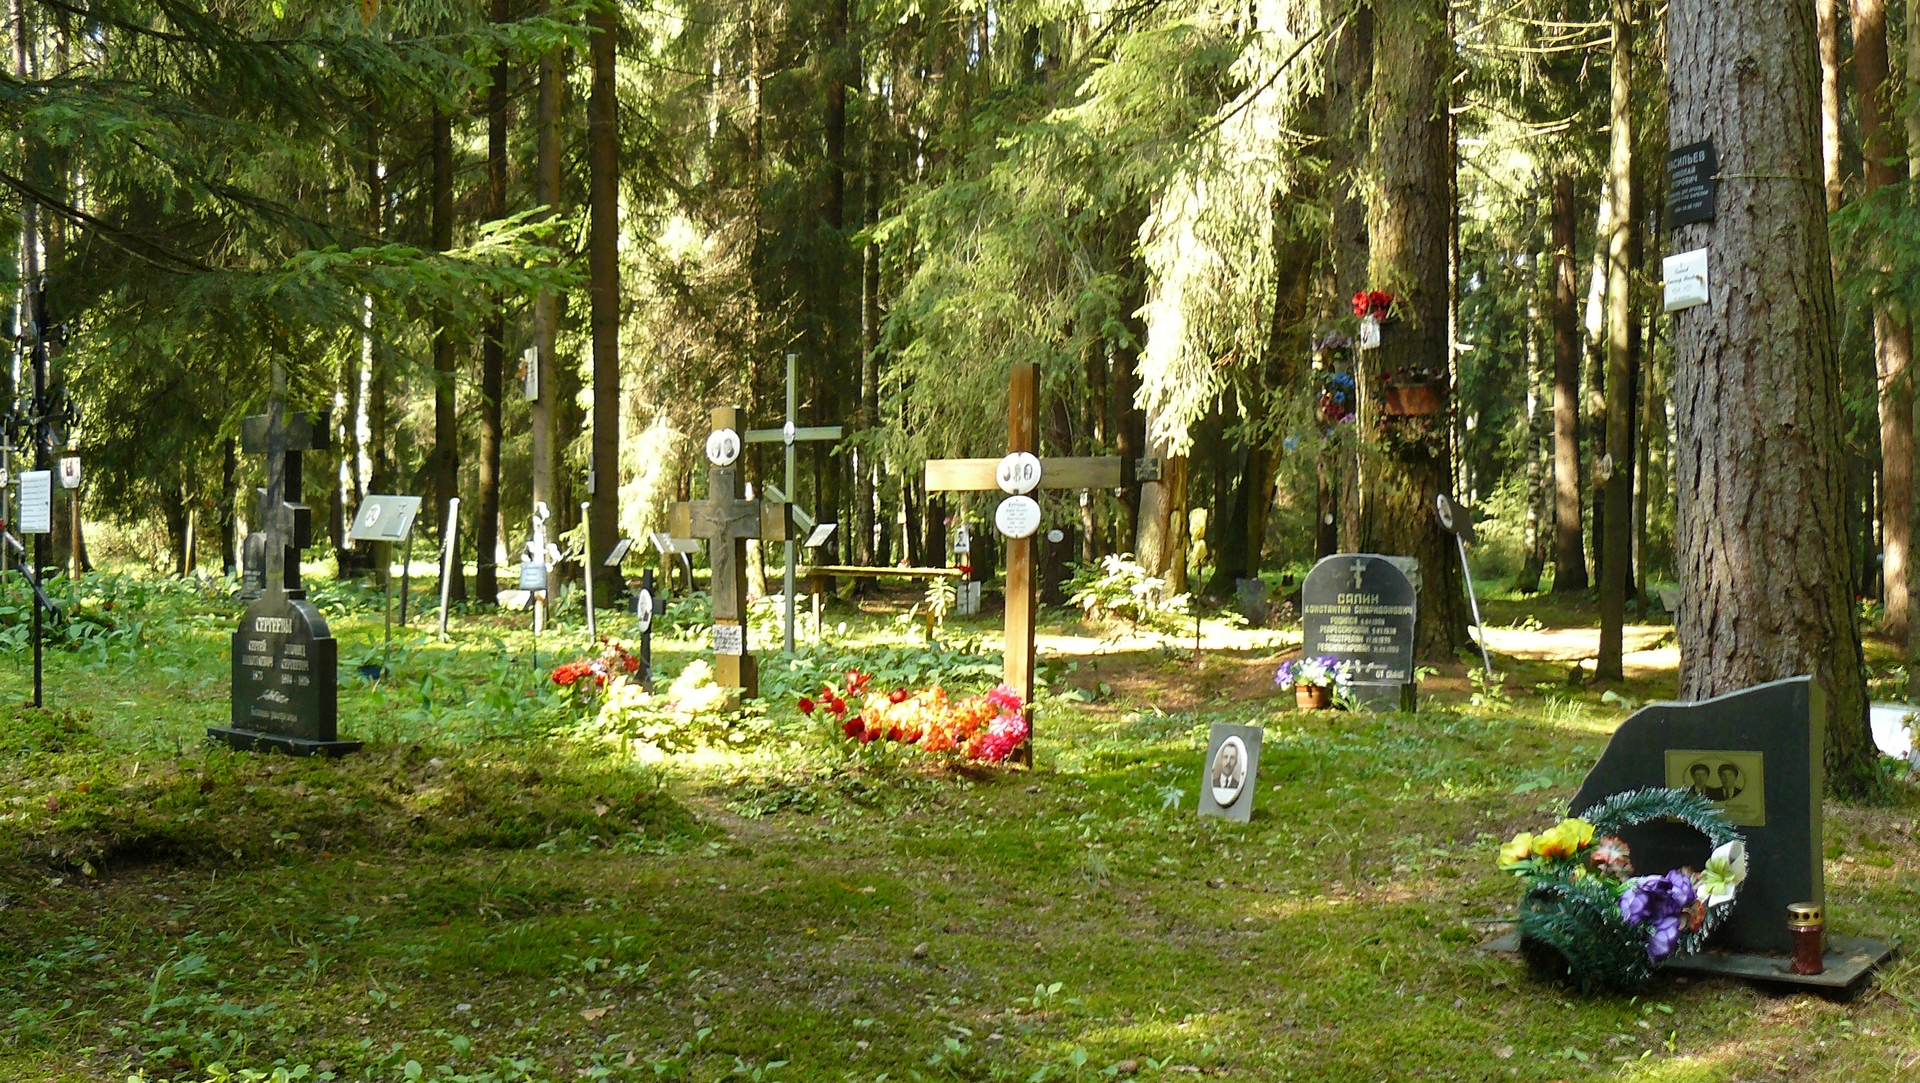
{"points": [[1467, 573], [447, 558], [386, 647], [406, 579], [792, 372], [41, 461], [586, 563]]}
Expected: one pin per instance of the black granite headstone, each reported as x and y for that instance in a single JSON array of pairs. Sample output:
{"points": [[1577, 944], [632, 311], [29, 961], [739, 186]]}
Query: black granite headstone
{"points": [[1757, 754], [1361, 608]]}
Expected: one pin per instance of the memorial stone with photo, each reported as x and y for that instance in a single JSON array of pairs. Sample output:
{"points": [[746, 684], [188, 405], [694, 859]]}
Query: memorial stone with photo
{"points": [[1229, 773], [1361, 608]]}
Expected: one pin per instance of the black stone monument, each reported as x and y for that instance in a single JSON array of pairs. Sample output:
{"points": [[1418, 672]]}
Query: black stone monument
{"points": [[1757, 754], [1361, 608], [285, 661]]}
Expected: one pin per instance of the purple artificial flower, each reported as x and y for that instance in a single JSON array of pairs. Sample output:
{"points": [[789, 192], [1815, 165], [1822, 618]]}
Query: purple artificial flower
{"points": [[1658, 901]]}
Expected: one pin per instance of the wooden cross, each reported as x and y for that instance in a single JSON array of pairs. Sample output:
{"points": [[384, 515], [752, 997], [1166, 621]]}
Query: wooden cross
{"points": [[726, 521], [979, 475], [286, 526]]}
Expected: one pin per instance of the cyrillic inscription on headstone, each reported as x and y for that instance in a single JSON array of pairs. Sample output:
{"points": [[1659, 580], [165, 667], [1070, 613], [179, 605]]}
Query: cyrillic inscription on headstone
{"points": [[1361, 608]]}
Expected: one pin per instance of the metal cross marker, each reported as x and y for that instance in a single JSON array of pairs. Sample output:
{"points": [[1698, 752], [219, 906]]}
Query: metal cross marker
{"points": [[286, 526], [726, 522], [789, 434], [982, 475]]}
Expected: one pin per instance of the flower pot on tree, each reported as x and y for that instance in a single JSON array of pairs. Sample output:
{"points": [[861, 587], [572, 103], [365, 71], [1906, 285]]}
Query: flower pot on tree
{"points": [[1413, 400]]}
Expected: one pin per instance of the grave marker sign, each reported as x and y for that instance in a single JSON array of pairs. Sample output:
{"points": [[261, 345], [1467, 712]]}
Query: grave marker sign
{"points": [[285, 661], [1361, 608]]}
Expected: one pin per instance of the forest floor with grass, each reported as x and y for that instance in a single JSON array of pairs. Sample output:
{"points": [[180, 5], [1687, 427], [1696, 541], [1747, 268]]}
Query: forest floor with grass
{"points": [[494, 890]]}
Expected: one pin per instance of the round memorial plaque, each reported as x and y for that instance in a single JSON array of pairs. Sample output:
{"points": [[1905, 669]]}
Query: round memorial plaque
{"points": [[1056, 535], [1228, 774], [1017, 517], [723, 447], [1018, 473], [643, 609]]}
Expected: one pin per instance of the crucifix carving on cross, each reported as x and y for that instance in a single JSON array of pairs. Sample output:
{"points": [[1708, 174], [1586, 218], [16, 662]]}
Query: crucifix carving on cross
{"points": [[286, 524], [1018, 474], [726, 522]]}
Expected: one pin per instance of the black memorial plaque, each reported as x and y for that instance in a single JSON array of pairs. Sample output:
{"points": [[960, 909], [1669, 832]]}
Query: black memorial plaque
{"points": [[1757, 754], [1693, 174], [1361, 608]]}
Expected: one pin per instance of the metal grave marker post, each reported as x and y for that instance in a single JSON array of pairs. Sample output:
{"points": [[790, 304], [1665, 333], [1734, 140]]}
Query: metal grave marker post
{"points": [[1018, 473], [384, 520], [285, 661], [449, 554], [726, 521], [643, 620], [1458, 522], [790, 434]]}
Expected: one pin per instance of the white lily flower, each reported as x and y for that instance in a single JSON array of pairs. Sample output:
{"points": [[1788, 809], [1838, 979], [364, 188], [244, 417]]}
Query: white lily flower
{"points": [[1726, 870]]}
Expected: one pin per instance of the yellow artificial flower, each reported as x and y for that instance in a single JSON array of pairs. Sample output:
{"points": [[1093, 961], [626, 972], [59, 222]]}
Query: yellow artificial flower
{"points": [[1564, 839], [1520, 849]]}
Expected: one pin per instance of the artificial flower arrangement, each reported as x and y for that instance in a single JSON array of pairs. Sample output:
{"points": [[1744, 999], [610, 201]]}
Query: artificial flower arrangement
{"points": [[1337, 398], [985, 728], [1317, 683], [1375, 303], [1586, 918], [589, 676]]}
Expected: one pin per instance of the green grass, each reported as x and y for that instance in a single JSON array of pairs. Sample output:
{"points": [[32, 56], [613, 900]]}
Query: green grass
{"points": [[478, 896]]}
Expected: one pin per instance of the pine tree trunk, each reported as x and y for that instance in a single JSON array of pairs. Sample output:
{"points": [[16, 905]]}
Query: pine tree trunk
{"points": [[546, 304], [1407, 461], [1764, 567], [1616, 568], [1569, 551], [1827, 31], [864, 488], [603, 272], [446, 423], [1534, 564], [1892, 334], [493, 352], [229, 491]]}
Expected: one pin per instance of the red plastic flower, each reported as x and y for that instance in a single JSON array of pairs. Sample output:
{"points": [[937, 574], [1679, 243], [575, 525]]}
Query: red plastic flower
{"points": [[1360, 303], [838, 706], [853, 727], [898, 695], [806, 705]]}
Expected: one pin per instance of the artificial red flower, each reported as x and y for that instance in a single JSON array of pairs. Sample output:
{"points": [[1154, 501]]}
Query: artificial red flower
{"points": [[806, 705], [853, 727], [898, 695], [1360, 303], [838, 706]]}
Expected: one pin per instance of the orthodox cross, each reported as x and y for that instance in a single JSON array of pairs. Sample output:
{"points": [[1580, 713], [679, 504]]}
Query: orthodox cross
{"points": [[790, 435], [986, 475], [1359, 569], [726, 521], [286, 526]]}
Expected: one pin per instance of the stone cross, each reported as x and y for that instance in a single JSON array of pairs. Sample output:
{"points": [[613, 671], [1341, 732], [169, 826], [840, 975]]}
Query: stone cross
{"points": [[727, 521], [980, 475], [286, 526]]}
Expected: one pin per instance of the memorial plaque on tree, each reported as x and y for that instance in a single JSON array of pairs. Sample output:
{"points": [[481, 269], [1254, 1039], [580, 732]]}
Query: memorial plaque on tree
{"points": [[1361, 608], [285, 661]]}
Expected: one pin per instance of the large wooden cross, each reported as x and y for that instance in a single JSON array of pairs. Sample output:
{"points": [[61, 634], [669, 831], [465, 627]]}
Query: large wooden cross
{"points": [[980, 475], [286, 525], [726, 522]]}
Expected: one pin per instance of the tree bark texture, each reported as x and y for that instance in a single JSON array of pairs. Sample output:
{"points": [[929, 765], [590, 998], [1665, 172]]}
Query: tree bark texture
{"points": [[603, 272], [493, 351], [1892, 335], [1764, 568], [1406, 462], [446, 423], [1616, 569], [1569, 552]]}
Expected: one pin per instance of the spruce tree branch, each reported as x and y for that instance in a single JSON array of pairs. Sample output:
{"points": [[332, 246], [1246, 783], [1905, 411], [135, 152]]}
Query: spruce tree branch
{"points": [[109, 232]]}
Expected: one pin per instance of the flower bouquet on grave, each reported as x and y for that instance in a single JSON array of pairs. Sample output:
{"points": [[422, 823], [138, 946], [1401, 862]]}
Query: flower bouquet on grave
{"points": [[1317, 683], [984, 729], [587, 677], [1586, 919]]}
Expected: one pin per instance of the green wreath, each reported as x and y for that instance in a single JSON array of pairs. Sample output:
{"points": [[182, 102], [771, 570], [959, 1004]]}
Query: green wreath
{"points": [[1570, 920]]}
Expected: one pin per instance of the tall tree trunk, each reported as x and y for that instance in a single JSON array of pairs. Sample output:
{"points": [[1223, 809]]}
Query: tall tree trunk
{"points": [[1616, 568], [603, 272], [1764, 567], [546, 304], [1827, 30], [1569, 551], [1407, 462], [493, 352], [1892, 333], [866, 462], [446, 423], [229, 492], [1534, 563], [1129, 421]]}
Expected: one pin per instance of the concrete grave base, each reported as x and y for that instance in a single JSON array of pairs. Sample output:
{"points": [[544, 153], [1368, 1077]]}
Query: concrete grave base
{"points": [[1848, 961], [250, 741]]}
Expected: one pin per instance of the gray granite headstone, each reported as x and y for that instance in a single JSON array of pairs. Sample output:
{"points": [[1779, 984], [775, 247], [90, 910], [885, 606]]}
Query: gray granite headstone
{"points": [[1757, 754], [1362, 608], [1227, 775]]}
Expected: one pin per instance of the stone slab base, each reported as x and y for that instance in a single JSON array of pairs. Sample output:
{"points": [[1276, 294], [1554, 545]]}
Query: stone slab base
{"points": [[249, 741], [1848, 961]]}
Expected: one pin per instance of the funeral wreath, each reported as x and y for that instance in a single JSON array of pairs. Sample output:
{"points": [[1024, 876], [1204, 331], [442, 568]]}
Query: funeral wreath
{"points": [[1585, 917]]}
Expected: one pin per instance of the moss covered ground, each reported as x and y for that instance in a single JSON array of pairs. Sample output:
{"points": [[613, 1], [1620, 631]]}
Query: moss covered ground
{"points": [[485, 893]]}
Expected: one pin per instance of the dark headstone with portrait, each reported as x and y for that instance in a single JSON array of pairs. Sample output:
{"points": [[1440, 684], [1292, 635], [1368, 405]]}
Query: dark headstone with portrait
{"points": [[1228, 774], [1757, 755], [1362, 608]]}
